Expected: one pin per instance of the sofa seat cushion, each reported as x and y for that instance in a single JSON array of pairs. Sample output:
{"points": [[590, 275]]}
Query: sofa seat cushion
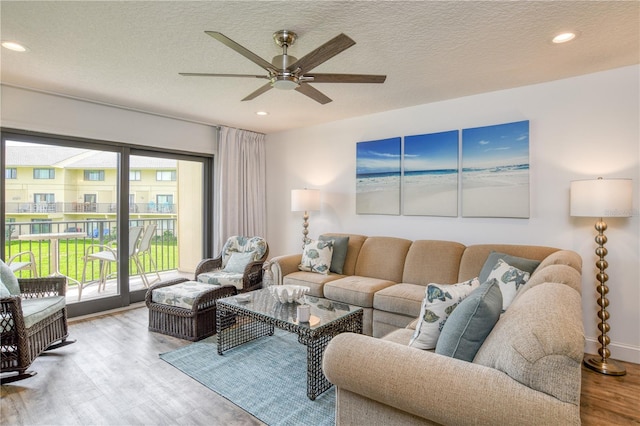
{"points": [[402, 298], [355, 290], [181, 295], [314, 281], [402, 336], [36, 309], [541, 332], [219, 277]]}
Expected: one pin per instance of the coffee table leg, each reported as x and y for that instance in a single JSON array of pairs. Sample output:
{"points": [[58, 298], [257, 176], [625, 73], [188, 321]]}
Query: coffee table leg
{"points": [[317, 383]]}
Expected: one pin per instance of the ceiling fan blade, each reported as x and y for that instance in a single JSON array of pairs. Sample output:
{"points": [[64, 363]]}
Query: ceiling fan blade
{"points": [[346, 78], [313, 93], [241, 50], [323, 53], [198, 74], [258, 92]]}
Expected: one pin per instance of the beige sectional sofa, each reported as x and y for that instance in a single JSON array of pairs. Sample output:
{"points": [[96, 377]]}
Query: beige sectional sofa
{"points": [[527, 371]]}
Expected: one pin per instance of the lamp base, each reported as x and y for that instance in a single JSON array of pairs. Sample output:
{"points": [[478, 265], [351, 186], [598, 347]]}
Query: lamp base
{"points": [[605, 366]]}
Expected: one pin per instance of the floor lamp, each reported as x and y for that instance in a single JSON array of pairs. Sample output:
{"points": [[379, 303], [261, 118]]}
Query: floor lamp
{"points": [[305, 200], [602, 198]]}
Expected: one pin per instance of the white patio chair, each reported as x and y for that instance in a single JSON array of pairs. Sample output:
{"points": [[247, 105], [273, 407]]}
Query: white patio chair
{"points": [[17, 263], [144, 248]]}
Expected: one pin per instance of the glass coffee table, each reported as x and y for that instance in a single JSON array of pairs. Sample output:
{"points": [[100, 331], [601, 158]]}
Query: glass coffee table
{"points": [[240, 321]]}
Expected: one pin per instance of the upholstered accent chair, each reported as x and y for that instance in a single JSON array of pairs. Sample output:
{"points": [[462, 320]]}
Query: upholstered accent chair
{"points": [[186, 308], [33, 318], [239, 264]]}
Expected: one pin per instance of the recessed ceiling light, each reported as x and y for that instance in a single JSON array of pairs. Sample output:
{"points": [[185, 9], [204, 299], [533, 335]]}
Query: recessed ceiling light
{"points": [[12, 45], [262, 113], [564, 37]]}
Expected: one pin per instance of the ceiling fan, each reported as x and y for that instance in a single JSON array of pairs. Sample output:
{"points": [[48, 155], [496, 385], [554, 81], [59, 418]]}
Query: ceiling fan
{"points": [[287, 72]]}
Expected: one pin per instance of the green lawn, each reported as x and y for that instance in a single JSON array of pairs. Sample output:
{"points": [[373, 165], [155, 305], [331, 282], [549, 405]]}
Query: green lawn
{"points": [[71, 253]]}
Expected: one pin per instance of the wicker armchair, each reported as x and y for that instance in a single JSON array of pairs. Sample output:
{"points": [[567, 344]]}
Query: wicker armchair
{"points": [[215, 271], [30, 323]]}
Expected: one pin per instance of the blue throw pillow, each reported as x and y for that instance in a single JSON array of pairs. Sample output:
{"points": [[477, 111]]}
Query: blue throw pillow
{"points": [[471, 322], [340, 246], [9, 279]]}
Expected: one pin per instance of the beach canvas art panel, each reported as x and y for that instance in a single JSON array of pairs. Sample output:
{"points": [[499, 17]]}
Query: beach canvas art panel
{"points": [[495, 171], [378, 177], [430, 178]]}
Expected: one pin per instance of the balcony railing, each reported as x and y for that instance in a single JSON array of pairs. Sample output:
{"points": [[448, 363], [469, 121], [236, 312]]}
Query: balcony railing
{"points": [[108, 208], [71, 250]]}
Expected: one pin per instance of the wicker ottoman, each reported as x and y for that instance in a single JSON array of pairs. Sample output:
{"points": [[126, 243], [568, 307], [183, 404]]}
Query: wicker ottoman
{"points": [[190, 318]]}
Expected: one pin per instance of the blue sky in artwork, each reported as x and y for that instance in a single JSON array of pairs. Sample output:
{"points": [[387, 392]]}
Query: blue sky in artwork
{"points": [[434, 151], [499, 145], [381, 156]]}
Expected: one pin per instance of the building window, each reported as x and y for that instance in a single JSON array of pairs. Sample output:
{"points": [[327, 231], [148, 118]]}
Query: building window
{"points": [[135, 175], [11, 173], [94, 175], [164, 203], [169, 175], [44, 173]]}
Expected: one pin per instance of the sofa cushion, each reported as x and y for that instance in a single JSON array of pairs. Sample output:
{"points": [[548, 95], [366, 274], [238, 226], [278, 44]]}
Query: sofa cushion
{"points": [[527, 265], [471, 322], [316, 256], [382, 258], [432, 261], [510, 279], [439, 302], [402, 298], [355, 290], [182, 295], [9, 279], [340, 246], [537, 335], [314, 281], [36, 309]]}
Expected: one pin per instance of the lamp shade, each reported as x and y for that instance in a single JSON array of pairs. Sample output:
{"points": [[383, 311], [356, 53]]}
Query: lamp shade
{"points": [[601, 197], [305, 200]]}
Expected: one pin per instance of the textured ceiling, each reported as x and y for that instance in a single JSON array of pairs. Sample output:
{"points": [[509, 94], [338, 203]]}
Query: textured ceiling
{"points": [[130, 53]]}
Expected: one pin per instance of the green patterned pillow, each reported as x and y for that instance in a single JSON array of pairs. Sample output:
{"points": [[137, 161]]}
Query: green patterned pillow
{"points": [[316, 256], [439, 302], [510, 279]]}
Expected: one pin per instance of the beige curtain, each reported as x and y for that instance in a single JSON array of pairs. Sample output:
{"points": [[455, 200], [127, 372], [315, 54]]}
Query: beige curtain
{"points": [[241, 189]]}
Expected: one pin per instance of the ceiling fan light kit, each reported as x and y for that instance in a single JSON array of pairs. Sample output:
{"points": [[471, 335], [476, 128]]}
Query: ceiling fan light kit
{"points": [[286, 72]]}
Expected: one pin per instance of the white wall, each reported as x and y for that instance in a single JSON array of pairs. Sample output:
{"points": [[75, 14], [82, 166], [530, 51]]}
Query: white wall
{"points": [[41, 112], [581, 127]]}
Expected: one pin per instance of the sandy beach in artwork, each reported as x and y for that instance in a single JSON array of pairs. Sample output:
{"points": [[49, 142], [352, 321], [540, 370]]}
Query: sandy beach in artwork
{"points": [[378, 195], [427, 194], [496, 192]]}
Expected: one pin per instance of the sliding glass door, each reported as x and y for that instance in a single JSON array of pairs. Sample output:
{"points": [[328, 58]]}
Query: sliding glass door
{"points": [[113, 219]]}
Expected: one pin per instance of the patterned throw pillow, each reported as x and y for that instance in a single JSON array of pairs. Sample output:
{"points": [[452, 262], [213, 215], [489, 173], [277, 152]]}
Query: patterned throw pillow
{"points": [[510, 279], [316, 256], [439, 301]]}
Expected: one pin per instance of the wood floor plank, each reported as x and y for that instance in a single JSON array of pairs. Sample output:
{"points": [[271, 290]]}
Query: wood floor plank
{"points": [[112, 375]]}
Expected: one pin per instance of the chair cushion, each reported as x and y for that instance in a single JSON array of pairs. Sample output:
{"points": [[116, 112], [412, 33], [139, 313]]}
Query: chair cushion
{"points": [[182, 294], [471, 322], [340, 245], [439, 302], [36, 309], [219, 277], [9, 279], [238, 262]]}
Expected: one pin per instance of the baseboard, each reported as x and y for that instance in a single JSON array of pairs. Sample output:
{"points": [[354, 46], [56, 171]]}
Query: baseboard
{"points": [[618, 351], [112, 311]]}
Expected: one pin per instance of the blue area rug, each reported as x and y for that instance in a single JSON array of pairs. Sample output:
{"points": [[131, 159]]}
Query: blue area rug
{"points": [[266, 377]]}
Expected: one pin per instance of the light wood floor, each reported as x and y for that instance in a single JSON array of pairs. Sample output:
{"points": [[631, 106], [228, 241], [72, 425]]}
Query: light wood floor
{"points": [[112, 376]]}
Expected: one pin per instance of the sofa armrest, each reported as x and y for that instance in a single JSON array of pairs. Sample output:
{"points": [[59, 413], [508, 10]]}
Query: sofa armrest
{"points": [[284, 265], [440, 389]]}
